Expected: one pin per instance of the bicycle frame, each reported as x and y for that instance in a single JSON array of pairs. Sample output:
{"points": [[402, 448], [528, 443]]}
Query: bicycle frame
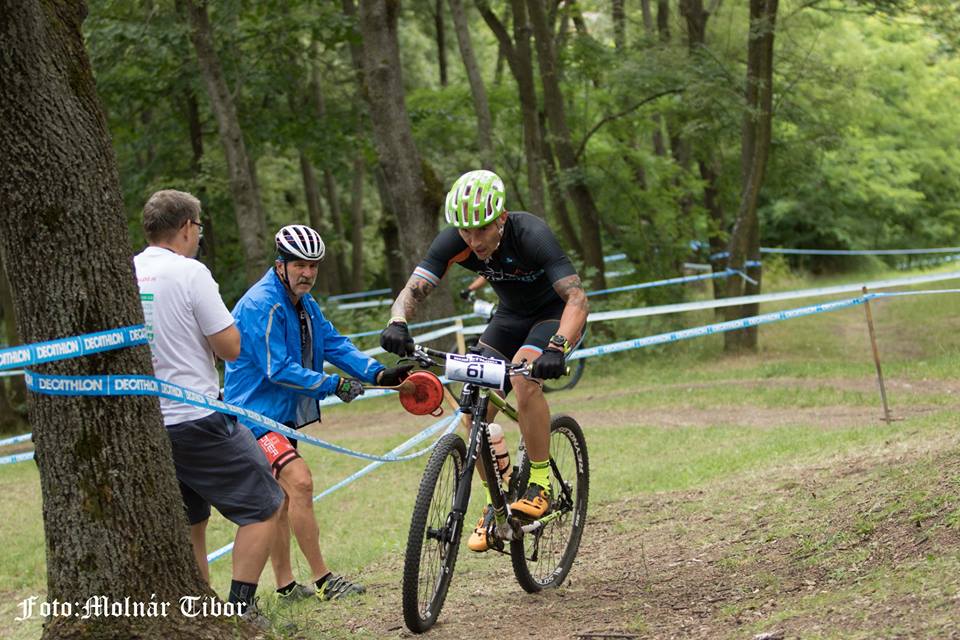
{"points": [[475, 401]]}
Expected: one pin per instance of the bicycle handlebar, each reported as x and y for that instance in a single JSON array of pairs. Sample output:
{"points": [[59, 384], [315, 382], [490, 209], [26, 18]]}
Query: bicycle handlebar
{"points": [[425, 356]]}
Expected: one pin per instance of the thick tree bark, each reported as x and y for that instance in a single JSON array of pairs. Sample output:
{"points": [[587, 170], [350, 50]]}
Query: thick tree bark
{"points": [[411, 198], [519, 58], [755, 151], [15, 384], [556, 117], [243, 183], [481, 105], [356, 219], [113, 521]]}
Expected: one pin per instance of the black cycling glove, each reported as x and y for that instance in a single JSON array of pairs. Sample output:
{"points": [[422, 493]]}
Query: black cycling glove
{"points": [[393, 376], [349, 389], [550, 364], [396, 339], [466, 294]]}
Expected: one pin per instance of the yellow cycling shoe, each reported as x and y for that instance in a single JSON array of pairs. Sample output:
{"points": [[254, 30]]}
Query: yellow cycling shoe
{"points": [[478, 539], [534, 504]]}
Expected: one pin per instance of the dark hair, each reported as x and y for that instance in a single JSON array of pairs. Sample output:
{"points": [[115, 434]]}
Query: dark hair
{"points": [[166, 211]]}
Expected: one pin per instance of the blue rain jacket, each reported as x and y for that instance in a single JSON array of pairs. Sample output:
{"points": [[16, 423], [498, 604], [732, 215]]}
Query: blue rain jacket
{"points": [[269, 377]]}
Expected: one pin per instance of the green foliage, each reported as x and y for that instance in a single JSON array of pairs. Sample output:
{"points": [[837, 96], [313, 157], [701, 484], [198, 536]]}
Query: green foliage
{"points": [[863, 151]]}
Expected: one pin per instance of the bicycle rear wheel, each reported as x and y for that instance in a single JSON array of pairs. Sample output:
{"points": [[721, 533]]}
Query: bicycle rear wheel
{"points": [[543, 558], [434, 536]]}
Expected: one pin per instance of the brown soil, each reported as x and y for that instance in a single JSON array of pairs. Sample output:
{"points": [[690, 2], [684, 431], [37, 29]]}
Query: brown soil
{"points": [[789, 553]]}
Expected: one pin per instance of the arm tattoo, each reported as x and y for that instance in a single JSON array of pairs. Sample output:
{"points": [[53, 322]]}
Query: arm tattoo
{"points": [[571, 290], [414, 292]]}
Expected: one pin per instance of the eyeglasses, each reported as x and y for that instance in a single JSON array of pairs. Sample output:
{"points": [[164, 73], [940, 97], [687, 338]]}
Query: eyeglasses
{"points": [[199, 224]]}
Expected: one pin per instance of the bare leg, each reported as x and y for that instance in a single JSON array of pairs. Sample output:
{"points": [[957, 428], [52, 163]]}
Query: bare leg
{"points": [[297, 481], [534, 413], [198, 540], [280, 547], [251, 548]]}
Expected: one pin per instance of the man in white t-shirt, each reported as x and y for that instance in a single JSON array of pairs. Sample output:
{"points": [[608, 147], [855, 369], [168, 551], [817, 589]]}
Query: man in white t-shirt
{"points": [[218, 462]]}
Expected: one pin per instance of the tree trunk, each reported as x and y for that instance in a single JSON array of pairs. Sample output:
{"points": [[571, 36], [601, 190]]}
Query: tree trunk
{"points": [[441, 40], [619, 24], [15, 384], [663, 20], [557, 199], [356, 219], [315, 214], [481, 105], [114, 524], [396, 273], [648, 25], [757, 123], [520, 60], [338, 264], [414, 203], [243, 185], [556, 117]]}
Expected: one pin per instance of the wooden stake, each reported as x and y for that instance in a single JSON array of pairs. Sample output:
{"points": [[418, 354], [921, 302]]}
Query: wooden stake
{"points": [[461, 343], [876, 358]]}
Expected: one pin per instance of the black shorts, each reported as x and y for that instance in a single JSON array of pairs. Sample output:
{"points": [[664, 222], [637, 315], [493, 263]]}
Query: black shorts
{"points": [[510, 331], [219, 463]]}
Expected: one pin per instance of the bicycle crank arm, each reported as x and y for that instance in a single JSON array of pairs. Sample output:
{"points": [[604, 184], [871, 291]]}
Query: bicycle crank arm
{"points": [[542, 522]]}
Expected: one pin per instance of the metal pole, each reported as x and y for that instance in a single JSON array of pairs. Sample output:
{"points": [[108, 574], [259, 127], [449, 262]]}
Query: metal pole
{"points": [[876, 358]]}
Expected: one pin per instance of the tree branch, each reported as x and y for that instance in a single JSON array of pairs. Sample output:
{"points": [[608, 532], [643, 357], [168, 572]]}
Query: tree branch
{"points": [[626, 111]]}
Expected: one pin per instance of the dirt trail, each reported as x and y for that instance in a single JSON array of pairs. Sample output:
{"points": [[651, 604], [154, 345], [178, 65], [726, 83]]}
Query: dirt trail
{"points": [[750, 556]]}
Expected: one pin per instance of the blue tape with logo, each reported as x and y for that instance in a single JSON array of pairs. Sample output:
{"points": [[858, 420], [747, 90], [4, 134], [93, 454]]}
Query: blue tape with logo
{"points": [[124, 385], [65, 348]]}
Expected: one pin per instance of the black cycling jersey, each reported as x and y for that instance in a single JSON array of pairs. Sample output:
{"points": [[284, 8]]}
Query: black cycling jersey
{"points": [[521, 271]]}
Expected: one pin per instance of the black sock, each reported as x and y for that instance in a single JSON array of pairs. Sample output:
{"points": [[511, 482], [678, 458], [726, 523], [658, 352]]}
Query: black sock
{"points": [[242, 591], [287, 589], [320, 581]]}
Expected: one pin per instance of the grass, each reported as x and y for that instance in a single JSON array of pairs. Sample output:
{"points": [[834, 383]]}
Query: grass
{"points": [[668, 419]]}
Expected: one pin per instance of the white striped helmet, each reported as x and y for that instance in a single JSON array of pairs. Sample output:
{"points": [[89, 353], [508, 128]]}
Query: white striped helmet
{"points": [[475, 200], [299, 242]]}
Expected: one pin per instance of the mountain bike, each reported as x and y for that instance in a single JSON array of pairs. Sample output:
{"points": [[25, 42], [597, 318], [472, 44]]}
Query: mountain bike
{"points": [[486, 309], [542, 551]]}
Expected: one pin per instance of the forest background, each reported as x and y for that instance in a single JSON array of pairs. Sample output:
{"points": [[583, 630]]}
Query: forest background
{"points": [[643, 127]]}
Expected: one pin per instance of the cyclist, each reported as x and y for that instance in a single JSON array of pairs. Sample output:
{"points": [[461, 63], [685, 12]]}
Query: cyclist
{"points": [[542, 312], [285, 341]]}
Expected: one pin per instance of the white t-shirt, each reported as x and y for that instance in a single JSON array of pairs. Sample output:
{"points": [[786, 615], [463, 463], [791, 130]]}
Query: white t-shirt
{"points": [[181, 305]]}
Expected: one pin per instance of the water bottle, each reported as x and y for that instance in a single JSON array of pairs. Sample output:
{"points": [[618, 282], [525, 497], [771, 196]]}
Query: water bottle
{"points": [[501, 455]]}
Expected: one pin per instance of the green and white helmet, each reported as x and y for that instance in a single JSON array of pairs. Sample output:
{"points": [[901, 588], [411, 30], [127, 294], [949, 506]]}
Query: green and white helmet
{"points": [[475, 200]]}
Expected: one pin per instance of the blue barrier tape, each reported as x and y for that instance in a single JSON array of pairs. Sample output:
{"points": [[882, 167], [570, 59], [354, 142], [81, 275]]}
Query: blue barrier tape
{"points": [[17, 457], [845, 252], [662, 283], [416, 325], [53, 350], [358, 294], [16, 439], [120, 385], [446, 424]]}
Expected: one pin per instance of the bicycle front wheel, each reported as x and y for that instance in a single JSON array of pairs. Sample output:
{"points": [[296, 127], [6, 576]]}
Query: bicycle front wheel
{"points": [[434, 535], [543, 558]]}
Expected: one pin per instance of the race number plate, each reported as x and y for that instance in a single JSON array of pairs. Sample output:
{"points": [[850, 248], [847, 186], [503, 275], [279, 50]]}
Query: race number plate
{"points": [[486, 372]]}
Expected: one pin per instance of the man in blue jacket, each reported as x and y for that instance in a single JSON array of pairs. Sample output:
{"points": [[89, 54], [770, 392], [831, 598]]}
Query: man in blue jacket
{"points": [[285, 340]]}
